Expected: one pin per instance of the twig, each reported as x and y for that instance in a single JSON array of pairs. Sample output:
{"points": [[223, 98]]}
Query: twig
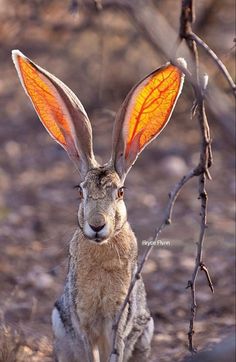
{"points": [[205, 161], [204, 268], [216, 59]]}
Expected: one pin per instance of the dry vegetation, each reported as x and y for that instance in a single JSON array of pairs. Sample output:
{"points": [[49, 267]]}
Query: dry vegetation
{"points": [[100, 55]]}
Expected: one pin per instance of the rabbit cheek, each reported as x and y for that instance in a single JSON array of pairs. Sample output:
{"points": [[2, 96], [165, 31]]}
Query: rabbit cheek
{"points": [[121, 215], [81, 216]]}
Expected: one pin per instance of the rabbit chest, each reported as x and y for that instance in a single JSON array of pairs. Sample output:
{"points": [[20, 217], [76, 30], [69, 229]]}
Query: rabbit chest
{"points": [[101, 280]]}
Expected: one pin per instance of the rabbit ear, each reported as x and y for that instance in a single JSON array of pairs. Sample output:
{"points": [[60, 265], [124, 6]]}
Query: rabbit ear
{"points": [[59, 110], [144, 113]]}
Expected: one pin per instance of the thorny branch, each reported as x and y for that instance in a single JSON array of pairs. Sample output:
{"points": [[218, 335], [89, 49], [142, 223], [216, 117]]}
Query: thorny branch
{"points": [[186, 20]]}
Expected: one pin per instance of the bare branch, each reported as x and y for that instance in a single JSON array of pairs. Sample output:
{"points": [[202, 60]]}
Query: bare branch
{"points": [[216, 59], [205, 161]]}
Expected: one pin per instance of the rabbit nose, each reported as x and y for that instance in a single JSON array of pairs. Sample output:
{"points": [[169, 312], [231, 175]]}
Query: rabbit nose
{"points": [[97, 222], [97, 228]]}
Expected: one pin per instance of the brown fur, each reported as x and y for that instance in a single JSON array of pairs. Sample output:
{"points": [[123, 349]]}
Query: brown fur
{"points": [[103, 275]]}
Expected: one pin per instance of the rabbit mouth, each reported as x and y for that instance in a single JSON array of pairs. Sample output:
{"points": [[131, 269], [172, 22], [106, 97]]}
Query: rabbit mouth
{"points": [[97, 239]]}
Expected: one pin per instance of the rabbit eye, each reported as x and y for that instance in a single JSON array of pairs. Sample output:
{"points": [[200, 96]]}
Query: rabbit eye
{"points": [[120, 192], [80, 191]]}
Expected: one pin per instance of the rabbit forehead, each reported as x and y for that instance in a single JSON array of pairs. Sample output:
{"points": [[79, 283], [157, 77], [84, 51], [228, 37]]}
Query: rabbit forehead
{"points": [[99, 181]]}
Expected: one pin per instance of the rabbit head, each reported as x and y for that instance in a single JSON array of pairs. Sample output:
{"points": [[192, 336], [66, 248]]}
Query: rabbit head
{"points": [[102, 211], [144, 113]]}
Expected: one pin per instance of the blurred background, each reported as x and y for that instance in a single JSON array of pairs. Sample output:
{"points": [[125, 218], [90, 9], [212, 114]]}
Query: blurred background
{"points": [[100, 50]]}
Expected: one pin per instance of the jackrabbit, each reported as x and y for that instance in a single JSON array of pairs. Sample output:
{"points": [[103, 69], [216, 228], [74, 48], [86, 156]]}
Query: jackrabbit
{"points": [[103, 251]]}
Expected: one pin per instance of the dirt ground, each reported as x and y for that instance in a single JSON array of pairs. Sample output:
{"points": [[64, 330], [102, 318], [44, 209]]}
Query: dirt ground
{"points": [[38, 203]]}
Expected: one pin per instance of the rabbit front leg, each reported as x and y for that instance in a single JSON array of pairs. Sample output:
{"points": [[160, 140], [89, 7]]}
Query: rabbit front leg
{"points": [[105, 345], [69, 345], [105, 340], [87, 347]]}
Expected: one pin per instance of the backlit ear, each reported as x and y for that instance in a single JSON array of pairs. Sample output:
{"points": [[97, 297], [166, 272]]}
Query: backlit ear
{"points": [[59, 110], [144, 113]]}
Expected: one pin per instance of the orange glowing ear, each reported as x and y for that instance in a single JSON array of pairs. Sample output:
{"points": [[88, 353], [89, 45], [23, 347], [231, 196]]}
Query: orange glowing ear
{"points": [[59, 110], [144, 113]]}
